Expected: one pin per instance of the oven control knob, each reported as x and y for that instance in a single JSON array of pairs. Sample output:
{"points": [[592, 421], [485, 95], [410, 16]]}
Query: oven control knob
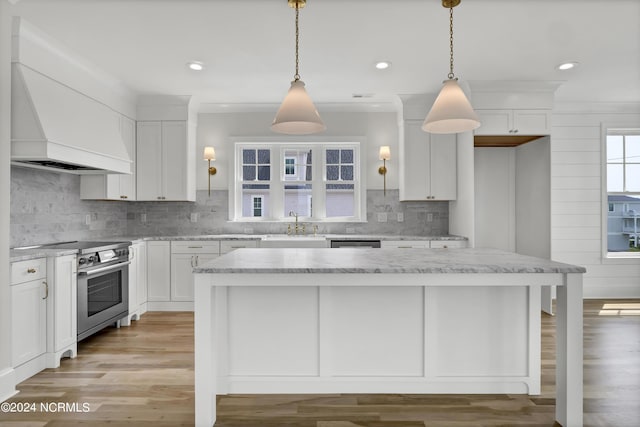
{"points": [[92, 258], [82, 261]]}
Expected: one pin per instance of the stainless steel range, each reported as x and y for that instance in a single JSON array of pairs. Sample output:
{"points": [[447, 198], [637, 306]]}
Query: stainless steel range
{"points": [[103, 283]]}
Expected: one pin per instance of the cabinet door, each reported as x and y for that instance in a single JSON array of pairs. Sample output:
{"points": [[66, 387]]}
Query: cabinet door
{"points": [[127, 183], [531, 122], [175, 160], [63, 288], [494, 122], [158, 271], [29, 321], [182, 276], [414, 171], [443, 167], [141, 280], [149, 161]]}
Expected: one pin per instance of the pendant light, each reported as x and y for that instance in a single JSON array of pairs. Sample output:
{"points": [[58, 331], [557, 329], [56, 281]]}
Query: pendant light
{"points": [[297, 114], [451, 112]]}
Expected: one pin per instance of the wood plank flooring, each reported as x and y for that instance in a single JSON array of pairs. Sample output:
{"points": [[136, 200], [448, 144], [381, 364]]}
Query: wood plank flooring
{"points": [[143, 376]]}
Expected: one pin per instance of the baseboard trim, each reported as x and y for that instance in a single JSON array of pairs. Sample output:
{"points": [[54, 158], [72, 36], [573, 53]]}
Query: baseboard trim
{"points": [[7, 384]]}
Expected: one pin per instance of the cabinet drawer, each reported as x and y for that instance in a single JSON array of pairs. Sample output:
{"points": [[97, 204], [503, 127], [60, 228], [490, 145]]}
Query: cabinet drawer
{"points": [[230, 245], [24, 271], [195, 247], [451, 244], [405, 244]]}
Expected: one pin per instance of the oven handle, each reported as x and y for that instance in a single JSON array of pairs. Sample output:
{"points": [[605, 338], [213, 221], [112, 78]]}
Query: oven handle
{"points": [[103, 269]]}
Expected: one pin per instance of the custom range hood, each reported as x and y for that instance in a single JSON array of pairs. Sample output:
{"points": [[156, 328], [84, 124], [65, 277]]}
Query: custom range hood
{"points": [[54, 127], [62, 115]]}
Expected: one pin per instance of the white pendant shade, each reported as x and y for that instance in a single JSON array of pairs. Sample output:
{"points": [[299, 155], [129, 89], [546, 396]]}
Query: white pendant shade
{"points": [[297, 114], [451, 112]]}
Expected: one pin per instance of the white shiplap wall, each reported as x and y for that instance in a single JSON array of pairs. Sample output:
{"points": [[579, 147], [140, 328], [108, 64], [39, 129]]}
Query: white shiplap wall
{"points": [[577, 194]]}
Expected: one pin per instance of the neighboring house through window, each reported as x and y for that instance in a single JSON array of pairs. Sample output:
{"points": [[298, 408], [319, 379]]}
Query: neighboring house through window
{"points": [[623, 190], [316, 181]]}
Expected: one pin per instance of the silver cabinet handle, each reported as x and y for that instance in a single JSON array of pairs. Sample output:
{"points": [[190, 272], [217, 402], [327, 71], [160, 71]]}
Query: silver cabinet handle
{"points": [[192, 257], [31, 270], [46, 290], [194, 247]]}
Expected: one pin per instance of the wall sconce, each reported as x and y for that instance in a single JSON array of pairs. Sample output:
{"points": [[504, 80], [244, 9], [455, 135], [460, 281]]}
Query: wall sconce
{"points": [[209, 155], [385, 154]]}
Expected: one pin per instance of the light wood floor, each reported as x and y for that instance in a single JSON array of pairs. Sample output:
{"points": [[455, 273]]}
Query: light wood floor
{"points": [[143, 376]]}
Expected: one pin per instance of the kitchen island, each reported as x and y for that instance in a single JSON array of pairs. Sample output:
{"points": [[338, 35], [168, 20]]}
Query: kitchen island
{"points": [[382, 321]]}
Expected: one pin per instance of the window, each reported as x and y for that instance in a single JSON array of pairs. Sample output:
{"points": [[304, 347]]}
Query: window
{"points": [[257, 205], [623, 190], [316, 181]]}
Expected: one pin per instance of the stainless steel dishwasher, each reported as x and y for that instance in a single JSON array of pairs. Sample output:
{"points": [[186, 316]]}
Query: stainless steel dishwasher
{"points": [[369, 243]]}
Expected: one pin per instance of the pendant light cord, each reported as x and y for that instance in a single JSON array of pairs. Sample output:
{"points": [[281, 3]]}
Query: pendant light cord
{"points": [[450, 75], [296, 77]]}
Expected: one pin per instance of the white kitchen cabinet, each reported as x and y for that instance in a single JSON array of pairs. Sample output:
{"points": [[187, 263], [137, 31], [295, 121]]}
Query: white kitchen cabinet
{"points": [[114, 186], [137, 282], [158, 272], [29, 293], [428, 169], [62, 314], [514, 122], [424, 244], [165, 161], [185, 255], [227, 246]]}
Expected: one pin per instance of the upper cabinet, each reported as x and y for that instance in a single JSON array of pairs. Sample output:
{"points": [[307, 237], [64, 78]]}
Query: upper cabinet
{"points": [[514, 122], [166, 161], [428, 164], [114, 186]]}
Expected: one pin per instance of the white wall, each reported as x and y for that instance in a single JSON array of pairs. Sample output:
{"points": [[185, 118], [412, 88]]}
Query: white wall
{"points": [[577, 193], [218, 129], [7, 386]]}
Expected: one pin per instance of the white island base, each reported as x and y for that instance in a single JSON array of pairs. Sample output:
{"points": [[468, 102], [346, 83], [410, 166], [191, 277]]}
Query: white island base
{"points": [[392, 332]]}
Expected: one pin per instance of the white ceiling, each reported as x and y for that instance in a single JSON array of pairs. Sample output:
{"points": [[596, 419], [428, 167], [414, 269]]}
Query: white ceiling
{"points": [[248, 45]]}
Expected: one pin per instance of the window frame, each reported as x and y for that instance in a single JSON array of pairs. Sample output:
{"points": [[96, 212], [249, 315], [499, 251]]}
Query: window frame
{"points": [[606, 130], [278, 146], [254, 198]]}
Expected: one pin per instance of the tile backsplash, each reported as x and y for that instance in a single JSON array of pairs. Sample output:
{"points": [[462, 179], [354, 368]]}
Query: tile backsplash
{"points": [[46, 207]]}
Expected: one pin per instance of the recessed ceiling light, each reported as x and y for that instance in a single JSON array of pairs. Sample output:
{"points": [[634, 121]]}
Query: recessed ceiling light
{"points": [[567, 66], [195, 65], [383, 65]]}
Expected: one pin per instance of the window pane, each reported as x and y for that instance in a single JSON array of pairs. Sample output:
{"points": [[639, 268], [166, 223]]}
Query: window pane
{"points": [[346, 173], [346, 156], [614, 149], [264, 157], [632, 147], [297, 165], [255, 186], [264, 173], [614, 178], [248, 173], [255, 200], [333, 173], [297, 198], [340, 200], [332, 156], [248, 156], [632, 177]]}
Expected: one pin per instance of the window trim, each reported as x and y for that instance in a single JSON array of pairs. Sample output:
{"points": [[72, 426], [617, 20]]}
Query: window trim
{"points": [[605, 130], [277, 144]]}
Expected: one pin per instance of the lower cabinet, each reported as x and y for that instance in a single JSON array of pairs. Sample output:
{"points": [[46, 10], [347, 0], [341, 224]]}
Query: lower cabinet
{"points": [[170, 269], [62, 303], [29, 294], [137, 282], [424, 244]]}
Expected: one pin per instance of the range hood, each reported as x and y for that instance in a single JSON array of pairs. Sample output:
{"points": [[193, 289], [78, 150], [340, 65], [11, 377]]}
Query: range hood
{"points": [[57, 128]]}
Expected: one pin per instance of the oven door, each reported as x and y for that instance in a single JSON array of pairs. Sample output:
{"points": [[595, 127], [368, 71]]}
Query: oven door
{"points": [[103, 297]]}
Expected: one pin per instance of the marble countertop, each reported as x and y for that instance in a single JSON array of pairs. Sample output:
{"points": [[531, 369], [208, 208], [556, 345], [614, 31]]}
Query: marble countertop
{"points": [[349, 260], [16, 255]]}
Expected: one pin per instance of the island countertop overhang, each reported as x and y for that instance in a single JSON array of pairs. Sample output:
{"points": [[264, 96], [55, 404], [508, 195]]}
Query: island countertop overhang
{"points": [[380, 261]]}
